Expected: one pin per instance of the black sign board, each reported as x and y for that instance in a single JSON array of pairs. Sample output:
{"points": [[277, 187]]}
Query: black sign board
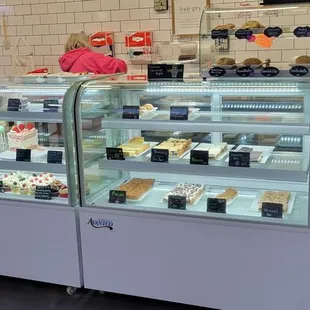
{"points": [[239, 159], [54, 157], [50, 105], [215, 205], [273, 32], [165, 72], [14, 104], [199, 157], [160, 156], [299, 71], [244, 34], [217, 71], [270, 71], [177, 202], [219, 34], [274, 210], [23, 155], [301, 32], [117, 197], [245, 72], [131, 111], [114, 153], [1, 187], [43, 192], [178, 113]]}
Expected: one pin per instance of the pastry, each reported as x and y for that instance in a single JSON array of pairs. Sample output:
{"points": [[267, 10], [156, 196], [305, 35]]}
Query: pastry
{"points": [[15, 187], [215, 150], [24, 188], [137, 140], [252, 61], [176, 147], [228, 195], [23, 136], [32, 189], [191, 191], [275, 197], [55, 187], [226, 61], [252, 24], [225, 27], [304, 59], [255, 156], [148, 107], [63, 191], [134, 147], [136, 188]]}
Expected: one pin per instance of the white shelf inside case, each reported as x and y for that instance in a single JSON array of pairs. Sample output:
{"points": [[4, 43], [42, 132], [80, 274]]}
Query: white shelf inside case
{"points": [[11, 155], [254, 206]]}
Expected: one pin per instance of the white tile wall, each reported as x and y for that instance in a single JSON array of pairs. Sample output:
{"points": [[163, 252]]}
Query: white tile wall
{"points": [[46, 24]]}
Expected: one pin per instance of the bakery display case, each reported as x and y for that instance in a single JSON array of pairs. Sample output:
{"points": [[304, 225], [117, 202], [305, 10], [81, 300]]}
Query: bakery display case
{"points": [[38, 182], [255, 41], [191, 184]]}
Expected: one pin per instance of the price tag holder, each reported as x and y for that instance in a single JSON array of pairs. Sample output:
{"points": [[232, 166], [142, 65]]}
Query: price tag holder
{"points": [[23, 155], [131, 111], [160, 156], [1, 187], [177, 202], [199, 157], [239, 159], [114, 153], [14, 104], [273, 32], [165, 72], [299, 71], [272, 210], [118, 197], [244, 34], [219, 34], [179, 113], [54, 157], [301, 32], [215, 205], [50, 105], [270, 71], [245, 72], [43, 192], [217, 71]]}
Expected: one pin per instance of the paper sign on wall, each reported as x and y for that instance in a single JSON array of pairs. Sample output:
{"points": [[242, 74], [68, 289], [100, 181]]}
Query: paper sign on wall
{"points": [[187, 16]]}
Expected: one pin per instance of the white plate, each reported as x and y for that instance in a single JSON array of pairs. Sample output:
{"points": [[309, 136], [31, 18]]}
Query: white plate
{"points": [[148, 116], [152, 144], [303, 65], [177, 157], [213, 195], [267, 151], [11, 155], [254, 206], [201, 145]]}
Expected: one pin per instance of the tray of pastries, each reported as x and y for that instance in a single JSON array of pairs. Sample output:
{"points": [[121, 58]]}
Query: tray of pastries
{"points": [[137, 189], [135, 147], [193, 192], [285, 198]]}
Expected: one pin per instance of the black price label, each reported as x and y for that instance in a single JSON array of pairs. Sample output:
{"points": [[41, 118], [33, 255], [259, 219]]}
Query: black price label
{"points": [[14, 104], [301, 32], [50, 105], [178, 113], [54, 157], [43, 192], [215, 205], [177, 202], [23, 155], [299, 71], [199, 157], [239, 159], [270, 71], [131, 111], [244, 34], [164, 72], [114, 153], [273, 32], [117, 197], [1, 187], [273, 210], [217, 71], [245, 72], [219, 34], [160, 156]]}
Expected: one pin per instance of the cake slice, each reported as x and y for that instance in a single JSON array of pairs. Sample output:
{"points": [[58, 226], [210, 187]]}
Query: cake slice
{"points": [[228, 195]]}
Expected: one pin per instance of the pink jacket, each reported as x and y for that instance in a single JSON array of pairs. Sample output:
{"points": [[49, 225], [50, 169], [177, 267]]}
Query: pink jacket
{"points": [[84, 60]]}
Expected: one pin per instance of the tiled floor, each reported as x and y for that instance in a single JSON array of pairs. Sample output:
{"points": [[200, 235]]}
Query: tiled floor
{"points": [[18, 294]]}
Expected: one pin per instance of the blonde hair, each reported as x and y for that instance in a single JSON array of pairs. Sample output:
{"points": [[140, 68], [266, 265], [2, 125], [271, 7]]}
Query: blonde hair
{"points": [[77, 40]]}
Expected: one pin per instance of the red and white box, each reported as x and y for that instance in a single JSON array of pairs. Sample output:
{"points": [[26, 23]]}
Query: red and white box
{"points": [[103, 42]]}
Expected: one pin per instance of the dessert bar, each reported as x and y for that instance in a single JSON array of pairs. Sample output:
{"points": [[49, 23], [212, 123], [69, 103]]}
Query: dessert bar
{"points": [[191, 191], [176, 147], [136, 188], [275, 197], [134, 147], [228, 195], [255, 156], [215, 150]]}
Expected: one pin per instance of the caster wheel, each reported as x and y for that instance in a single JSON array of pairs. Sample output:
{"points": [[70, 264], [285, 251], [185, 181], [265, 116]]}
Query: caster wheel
{"points": [[71, 290]]}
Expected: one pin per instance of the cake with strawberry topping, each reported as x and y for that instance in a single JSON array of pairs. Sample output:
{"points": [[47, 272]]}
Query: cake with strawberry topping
{"points": [[23, 136]]}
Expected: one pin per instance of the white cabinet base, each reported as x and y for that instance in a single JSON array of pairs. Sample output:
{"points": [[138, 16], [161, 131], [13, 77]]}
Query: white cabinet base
{"points": [[39, 243], [228, 266]]}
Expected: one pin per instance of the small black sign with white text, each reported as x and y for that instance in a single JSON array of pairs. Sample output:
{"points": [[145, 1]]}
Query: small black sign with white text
{"points": [[272, 210], [14, 104], [114, 153], [43, 192], [178, 113], [177, 202], [299, 71], [117, 197], [131, 112], [217, 71], [23, 155], [159, 156], [199, 157], [215, 205], [54, 157], [239, 159]]}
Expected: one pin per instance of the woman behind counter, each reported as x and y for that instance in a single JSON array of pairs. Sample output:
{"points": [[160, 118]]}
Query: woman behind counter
{"points": [[79, 57]]}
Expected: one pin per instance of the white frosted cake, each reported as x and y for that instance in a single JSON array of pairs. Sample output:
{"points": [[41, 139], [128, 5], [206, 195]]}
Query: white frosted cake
{"points": [[23, 136]]}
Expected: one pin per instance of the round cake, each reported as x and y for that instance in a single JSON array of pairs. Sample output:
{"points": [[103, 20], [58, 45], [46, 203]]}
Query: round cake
{"points": [[252, 61], [252, 24], [304, 59], [23, 136], [226, 61]]}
